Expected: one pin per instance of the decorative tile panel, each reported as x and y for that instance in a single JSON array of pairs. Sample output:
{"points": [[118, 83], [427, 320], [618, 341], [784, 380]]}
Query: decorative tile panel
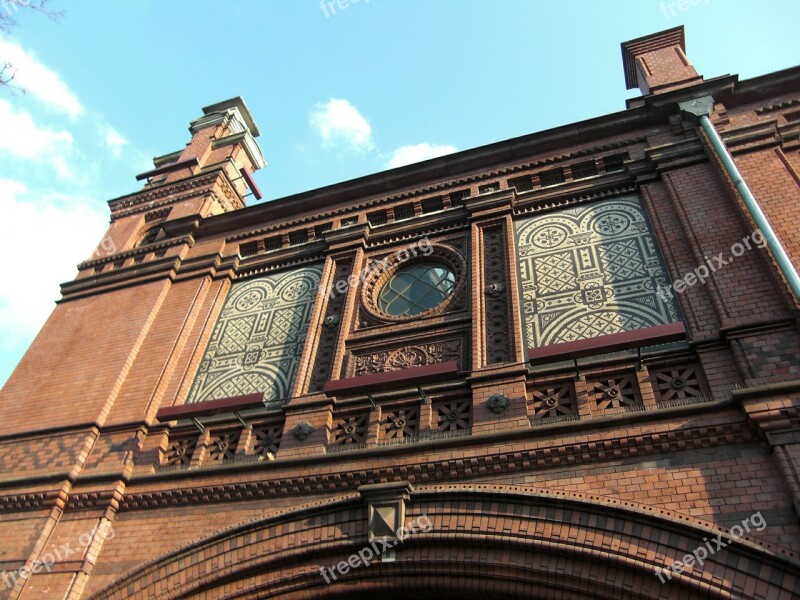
{"points": [[400, 423], [222, 446], [351, 429], [678, 383], [453, 415], [329, 335], [555, 401], [590, 270], [267, 438], [258, 339], [495, 265], [179, 452], [618, 391]]}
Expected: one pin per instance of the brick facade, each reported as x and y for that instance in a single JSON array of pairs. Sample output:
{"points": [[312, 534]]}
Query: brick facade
{"points": [[635, 430]]}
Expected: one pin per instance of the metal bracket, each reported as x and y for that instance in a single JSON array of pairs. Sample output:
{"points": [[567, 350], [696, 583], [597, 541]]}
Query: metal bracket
{"points": [[372, 401], [239, 417], [697, 107], [578, 374], [199, 425], [425, 399]]}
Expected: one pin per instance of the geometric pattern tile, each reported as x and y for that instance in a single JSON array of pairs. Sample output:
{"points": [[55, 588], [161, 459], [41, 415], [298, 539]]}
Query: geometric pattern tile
{"points": [[383, 521], [258, 338], [614, 392], [180, 451], [590, 270], [351, 430], [267, 438], [678, 383], [551, 402], [453, 415], [400, 423], [222, 446]]}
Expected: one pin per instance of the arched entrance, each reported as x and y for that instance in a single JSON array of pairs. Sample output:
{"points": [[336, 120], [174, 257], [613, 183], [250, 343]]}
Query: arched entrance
{"points": [[493, 541]]}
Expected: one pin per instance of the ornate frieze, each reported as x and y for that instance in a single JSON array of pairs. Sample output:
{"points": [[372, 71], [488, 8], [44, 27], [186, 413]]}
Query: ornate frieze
{"points": [[408, 356]]}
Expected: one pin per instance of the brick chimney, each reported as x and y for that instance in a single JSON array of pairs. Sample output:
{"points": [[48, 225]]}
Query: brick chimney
{"points": [[224, 135], [211, 175], [657, 63]]}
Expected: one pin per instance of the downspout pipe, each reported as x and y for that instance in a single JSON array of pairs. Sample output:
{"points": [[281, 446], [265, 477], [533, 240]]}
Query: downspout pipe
{"points": [[699, 109]]}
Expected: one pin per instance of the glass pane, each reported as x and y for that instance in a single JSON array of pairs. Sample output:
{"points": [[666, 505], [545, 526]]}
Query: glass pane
{"points": [[416, 289]]}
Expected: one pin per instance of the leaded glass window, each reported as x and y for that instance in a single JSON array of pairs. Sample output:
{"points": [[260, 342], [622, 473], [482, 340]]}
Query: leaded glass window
{"points": [[416, 289]]}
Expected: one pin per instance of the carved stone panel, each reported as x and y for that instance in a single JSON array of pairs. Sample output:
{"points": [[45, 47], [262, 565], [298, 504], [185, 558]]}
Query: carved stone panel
{"points": [[258, 338], [407, 357], [590, 270]]}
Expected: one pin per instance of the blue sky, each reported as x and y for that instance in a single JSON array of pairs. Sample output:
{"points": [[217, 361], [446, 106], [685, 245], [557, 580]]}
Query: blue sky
{"points": [[337, 93]]}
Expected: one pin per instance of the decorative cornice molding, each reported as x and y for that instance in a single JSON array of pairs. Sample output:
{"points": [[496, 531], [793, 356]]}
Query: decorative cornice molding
{"points": [[158, 268], [417, 230], [768, 108], [187, 188], [527, 203], [575, 453], [441, 187], [268, 266], [88, 264], [249, 145], [676, 154]]}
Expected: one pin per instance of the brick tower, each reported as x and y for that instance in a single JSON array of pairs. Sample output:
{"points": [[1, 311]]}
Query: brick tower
{"points": [[559, 366]]}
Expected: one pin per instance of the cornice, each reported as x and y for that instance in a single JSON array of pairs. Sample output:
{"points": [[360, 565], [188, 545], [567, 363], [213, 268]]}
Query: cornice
{"points": [[777, 106], [676, 154], [168, 243], [573, 454], [545, 452], [432, 224], [270, 264], [569, 195], [154, 270], [472, 163], [162, 195], [746, 137], [428, 189]]}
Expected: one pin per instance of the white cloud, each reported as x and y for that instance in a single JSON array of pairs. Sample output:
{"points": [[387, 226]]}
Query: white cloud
{"points": [[54, 232], [37, 80], [406, 155], [339, 122], [23, 138], [113, 139]]}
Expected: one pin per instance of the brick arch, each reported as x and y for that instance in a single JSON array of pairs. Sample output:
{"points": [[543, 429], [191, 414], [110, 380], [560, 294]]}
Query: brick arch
{"points": [[486, 541]]}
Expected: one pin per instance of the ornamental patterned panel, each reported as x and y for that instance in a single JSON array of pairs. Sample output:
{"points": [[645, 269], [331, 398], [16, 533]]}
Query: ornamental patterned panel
{"points": [[590, 270], [258, 338], [399, 423], [328, 337], [495, 261]]}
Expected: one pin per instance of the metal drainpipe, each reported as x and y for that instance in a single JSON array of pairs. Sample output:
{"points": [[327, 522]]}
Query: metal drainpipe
{"points": [[700, 108]]}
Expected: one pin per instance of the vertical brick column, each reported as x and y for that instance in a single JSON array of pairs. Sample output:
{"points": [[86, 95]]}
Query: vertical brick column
{"points": [[496, 327], [497, 351], [323, 355]]}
